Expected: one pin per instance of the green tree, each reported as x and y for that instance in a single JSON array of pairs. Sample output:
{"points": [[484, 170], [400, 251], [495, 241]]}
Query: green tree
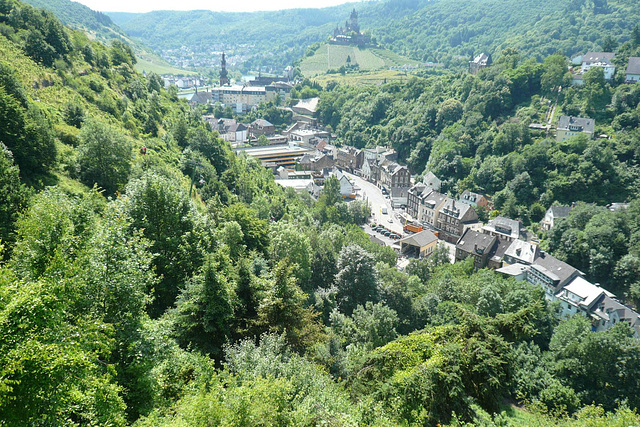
{"points": [[356, 280], [104, 156], [555, 70], [282, 309], [13, 195], [288, 242], [203, 311], [179, 234]]}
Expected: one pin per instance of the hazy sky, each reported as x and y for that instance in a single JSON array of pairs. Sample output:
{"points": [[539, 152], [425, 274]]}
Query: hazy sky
{"points": [[217, 5]]}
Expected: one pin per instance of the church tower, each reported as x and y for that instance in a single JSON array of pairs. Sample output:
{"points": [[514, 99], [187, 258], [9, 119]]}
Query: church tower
{"points": [[224, 74]]}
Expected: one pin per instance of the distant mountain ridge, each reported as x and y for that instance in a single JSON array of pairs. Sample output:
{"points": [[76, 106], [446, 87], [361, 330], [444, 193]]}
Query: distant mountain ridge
{"points": [[448, 31]]}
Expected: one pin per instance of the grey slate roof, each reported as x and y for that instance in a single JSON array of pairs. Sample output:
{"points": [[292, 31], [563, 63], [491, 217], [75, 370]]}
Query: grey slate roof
{"points": [[634, 65], [432, 199], [201, 98], [582, 124], [474, 242], [507, 226], [261, 122], [559, 268], [591, 57], [420, 239], [560, 211], [455, 210]]}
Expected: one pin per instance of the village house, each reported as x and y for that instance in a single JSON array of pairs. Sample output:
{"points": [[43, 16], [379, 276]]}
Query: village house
{"points": [[553, 214], [601, 60], [396, 179], [432, 181], [414, 198], [505, 229], [306, 107], [349, 158], [476, 245], [366, 171], [452, 218], [418, 245], [473, 199], [479, 62], [521, 252], [261, 127], [633, 70], [347, 189], [430, 205], [569, 126]]}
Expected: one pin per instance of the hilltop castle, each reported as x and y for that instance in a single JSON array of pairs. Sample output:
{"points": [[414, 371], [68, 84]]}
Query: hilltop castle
{"points": [[350, 34]]}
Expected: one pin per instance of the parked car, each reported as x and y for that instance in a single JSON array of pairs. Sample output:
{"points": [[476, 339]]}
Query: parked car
{"points": [[387, 233], [384, 211]]}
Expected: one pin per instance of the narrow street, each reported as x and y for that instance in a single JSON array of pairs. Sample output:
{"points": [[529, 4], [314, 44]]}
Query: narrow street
{"points": [[377, 201]]}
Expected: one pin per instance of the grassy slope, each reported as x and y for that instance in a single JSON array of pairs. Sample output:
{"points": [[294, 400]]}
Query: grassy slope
{"points": [[332, 57]]}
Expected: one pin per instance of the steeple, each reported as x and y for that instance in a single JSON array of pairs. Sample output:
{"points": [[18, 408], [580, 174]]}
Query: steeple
{"points": [[224, 74]]}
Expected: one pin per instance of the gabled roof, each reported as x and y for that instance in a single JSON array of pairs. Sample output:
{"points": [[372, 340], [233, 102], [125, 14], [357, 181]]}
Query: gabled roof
{"points": [[476, 243], [523, 251], [310, 104], [420, 239], [587, 292], [582, 124], [560, 269], [201, 98], [507, 226], [455, 210], [560, 211], [591, 57], [237, 127], [430, 179], [483, 58], [433, 199], [321, 145], [470, 196], [261, 123], [634, 65]]}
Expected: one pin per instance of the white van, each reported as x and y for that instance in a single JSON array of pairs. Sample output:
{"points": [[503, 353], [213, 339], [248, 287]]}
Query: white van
{"points": [[384, 211]]}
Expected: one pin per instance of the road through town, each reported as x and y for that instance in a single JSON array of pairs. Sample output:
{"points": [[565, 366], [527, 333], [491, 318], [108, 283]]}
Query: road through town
{"points": [[377, 201]]}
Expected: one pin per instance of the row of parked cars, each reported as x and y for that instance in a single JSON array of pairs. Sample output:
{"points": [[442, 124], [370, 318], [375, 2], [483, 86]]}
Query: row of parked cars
{"points": [[379, 228]]}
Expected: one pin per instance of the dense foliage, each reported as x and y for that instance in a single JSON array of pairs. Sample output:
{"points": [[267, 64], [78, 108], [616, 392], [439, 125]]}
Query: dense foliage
{"points": [[179, 285]]}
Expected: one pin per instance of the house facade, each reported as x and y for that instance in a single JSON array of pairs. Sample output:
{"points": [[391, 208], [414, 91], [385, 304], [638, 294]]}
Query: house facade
{"points": [[473, 199], [452, 217]]}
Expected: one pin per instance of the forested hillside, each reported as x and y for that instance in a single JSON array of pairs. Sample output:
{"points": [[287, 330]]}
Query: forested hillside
{"points": [[151, 277], [99, 26], [446, 31]]}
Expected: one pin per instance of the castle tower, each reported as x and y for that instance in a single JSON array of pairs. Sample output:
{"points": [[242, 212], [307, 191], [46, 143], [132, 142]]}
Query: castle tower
{"points": [[353, 22], [224, 74]]}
